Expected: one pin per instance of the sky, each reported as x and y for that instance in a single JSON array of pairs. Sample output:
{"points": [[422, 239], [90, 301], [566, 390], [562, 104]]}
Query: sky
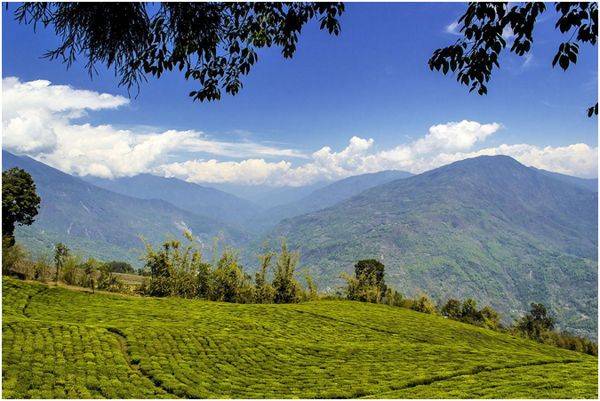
{"points": [[361, 102]]}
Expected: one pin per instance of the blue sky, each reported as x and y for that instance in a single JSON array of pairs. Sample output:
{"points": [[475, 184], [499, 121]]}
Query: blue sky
{"points": [[371, 82]]}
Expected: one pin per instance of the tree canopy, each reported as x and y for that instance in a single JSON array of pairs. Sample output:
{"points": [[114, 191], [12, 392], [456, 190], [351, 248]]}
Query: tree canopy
{"points": [[212, 43], [473, 57], [20, 202]]}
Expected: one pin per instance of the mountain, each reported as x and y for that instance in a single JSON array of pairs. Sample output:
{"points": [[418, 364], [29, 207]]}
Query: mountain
{"points": [[97, 222], [587, 183], [488, 228], [324, 197], [268, 196], [200, 200]]}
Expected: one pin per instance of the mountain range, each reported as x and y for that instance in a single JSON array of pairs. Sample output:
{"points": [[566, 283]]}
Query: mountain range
{"points": [[197, 199], [488, 228], [96, 222], [323, 197]]}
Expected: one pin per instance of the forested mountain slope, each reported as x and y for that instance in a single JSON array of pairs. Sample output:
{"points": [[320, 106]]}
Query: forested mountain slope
{"points": [[100, 223], [197, 199], [488, 228], [322, 198]]}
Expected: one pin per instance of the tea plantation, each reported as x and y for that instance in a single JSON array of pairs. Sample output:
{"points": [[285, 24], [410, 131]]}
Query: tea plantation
{"points": [[59, 343]]}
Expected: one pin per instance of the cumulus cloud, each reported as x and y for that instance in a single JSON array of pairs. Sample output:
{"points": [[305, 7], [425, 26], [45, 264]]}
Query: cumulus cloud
{"points": [[33, 112], [578, 159], [40, 119], [443, 144]]}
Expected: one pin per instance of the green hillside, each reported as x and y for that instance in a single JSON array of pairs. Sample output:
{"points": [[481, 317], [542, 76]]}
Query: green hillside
{"points": [[488, 228], [62, 343], [200, 200], [96, 222]]}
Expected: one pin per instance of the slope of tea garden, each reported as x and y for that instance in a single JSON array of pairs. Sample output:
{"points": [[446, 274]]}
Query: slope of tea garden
{"points": [[61, 343]]}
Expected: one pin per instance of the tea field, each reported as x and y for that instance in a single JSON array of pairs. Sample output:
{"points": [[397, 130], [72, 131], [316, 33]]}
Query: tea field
{"points": [[60, 343]]}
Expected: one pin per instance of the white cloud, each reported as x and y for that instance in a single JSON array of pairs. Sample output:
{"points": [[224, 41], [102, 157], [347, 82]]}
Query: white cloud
{"points": [[578, 159], [453, 28], [250, 171], [33, 112], [39, 120], [444, 143]]}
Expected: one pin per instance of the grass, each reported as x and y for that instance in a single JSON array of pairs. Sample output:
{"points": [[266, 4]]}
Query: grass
{"points": [[61, 343]]}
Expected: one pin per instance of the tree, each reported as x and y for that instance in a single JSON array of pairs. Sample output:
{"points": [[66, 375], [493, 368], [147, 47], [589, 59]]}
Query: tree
{"points": [[368, 283], [469, 312], [20, 202], [90, 267], [371, 272], [536, 322], [109, 281], [265, 293], [213, 43], [452, 309], [120, 267], [229, 279], [61, 253], [424, 304], [474, 56], [287, 288], [490, 318]]}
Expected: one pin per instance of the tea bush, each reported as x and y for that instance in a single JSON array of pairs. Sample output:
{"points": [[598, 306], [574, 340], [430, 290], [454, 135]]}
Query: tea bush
{"points": [[63, 343]]}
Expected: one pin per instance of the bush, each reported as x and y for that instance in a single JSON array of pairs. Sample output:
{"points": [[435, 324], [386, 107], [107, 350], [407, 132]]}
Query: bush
{"points": [[89, 270], [42, 268], [108, 281], [311, 293], [70, 270], [230, 282], [13, 258], [120, 267], [424, 304], [452, 309]]}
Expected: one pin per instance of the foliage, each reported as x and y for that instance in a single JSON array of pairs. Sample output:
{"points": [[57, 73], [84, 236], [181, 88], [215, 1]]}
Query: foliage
{"points": [[368, 283], [108, 281], [287, 288], [63, 343], [474, 56], [536, 322], [20, 202], [312, 292], [42, 268], [264, 291], [213, 43], [457, 232], [177, 270], [452, 309], [424, 305], [69, 271], [13, 256], [90, 269], [231, 284], [467, 312], [61, 253], [120, 267]]}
